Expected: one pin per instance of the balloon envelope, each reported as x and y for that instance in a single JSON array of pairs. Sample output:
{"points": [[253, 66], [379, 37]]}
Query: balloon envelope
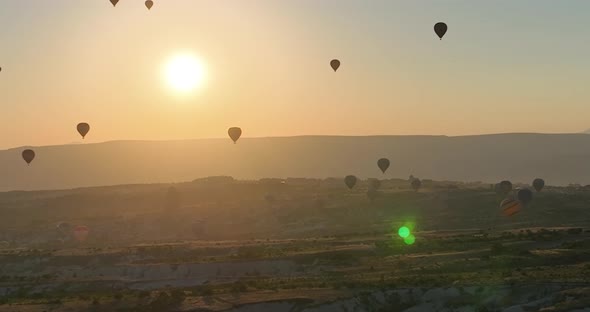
{"points": [[114, 2], [538, 184], [383, 164], [335, 64], [440, 29], [234, 133], [350, 181], [510, 206], [505, 187], [525, 196], [81, 233], [498, 188], [28, 155], [149, 4], [83, 129]]}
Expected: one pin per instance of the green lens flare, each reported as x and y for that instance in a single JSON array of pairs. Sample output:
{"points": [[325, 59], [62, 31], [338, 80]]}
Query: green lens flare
{"points": [[403, 232], [410, 240]]}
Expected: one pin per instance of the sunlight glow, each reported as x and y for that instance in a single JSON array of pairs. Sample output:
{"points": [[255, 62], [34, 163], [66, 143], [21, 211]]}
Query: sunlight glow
{"points": [[185, 72]]}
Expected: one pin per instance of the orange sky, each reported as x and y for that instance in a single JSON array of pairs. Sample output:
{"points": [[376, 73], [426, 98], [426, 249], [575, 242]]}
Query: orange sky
{"points": [[522, 68]]}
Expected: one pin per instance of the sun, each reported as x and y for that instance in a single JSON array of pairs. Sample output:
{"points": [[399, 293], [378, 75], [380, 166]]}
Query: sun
{"points": [[185, 72]]}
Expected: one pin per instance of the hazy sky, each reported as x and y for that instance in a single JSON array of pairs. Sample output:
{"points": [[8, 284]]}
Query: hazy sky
{"points": [[504, 66]]}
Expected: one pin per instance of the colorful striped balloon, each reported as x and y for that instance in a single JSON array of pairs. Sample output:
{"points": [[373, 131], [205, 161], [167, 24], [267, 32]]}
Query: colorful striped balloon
{"points": [[510, 206]]}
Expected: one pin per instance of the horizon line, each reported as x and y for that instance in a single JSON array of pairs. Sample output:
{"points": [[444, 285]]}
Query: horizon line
{"points": [[298, 136]]}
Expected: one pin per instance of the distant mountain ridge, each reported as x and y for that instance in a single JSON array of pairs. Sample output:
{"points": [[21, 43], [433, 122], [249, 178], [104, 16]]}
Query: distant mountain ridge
{"points": [[558, 158]]}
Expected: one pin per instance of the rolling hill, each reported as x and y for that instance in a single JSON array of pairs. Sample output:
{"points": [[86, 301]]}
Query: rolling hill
{"points": [[558, 158]]}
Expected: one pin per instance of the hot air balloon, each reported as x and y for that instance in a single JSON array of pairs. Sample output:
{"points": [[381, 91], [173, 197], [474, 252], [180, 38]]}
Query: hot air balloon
{"points": [[81, 233], [234, 133], [538, 184], [83, 129], [510, 206], [440, 29], [114, 2], [416, 184], [498, 188], [374, 184], [149, 4], [525, 196], [350, 181], [28, 155], [505, 187], [335, 64], [383, 164]]}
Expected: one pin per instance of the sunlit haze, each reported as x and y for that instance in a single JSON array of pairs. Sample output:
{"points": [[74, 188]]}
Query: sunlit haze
{"points": [[503, 66], [294, 155], [184, 72]]}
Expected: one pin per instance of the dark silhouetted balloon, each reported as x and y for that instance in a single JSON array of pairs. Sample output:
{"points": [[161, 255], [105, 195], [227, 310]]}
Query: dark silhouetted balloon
{"points": [[149, 4], [498, 188], [114, 2], [440, 29], [416, 184], [335, 64], [234, 133], [383, 164], [81, 233], [510, 206], [525, 196], [28, 155], [538, 184], [83, 129], [505, 187], [350, 181], [374, 184]]}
